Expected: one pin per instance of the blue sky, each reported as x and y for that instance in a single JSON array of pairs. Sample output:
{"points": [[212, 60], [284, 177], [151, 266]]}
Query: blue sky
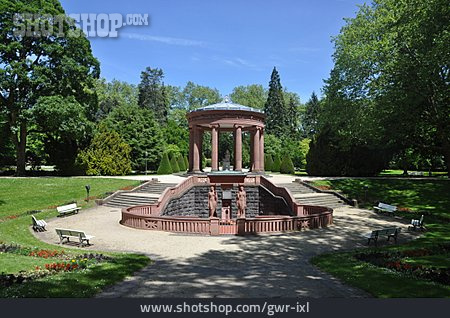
{"points": [[225, 43]]}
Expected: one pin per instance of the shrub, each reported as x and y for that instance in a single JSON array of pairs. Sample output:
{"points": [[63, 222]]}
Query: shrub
{"points": [[108, 155], [268, 162], [181, 164], [287, 166], [276, 164], [174, 164], [164, 165], [186, 161]]}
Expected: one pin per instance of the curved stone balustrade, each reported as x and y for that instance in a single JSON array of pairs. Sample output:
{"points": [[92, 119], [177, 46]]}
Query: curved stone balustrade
{"points": [[149, 217]]}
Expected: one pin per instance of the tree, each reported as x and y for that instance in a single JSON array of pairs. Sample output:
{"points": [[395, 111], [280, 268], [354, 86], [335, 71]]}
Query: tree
{"points": [[287, 166], [114, 94], [311, 116], [164, 165], [152, 93], [36, 66], [293, 118], [391, 77], [268, 162], [196, 96], [107, 155], [174, 164], [65, 130], [251, 95], [276, 164], [181, 163], [176, 131], [138, 127], [275, 108]]}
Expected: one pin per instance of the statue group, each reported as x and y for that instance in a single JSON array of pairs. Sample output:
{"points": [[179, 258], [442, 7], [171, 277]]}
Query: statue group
{"points": [[241, 202]]}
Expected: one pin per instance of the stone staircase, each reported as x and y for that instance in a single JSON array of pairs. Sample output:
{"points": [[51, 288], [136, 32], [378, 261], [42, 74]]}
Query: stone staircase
{"points": [[307, 196], [147, 194]]}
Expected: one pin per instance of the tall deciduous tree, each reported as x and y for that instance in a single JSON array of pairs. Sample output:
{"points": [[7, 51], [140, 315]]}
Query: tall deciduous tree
{"points": [[38, 65], [152, 93], [251, 95], [196, 96], [275, 108], [390, 82], [114, 94]]}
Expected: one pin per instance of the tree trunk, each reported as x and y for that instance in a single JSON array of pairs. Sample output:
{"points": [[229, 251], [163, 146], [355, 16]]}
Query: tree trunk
{"points": [[446, 153], [21, 145]]}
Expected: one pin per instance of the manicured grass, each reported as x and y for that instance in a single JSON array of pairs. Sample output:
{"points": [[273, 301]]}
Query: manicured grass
{"points": [[429, 196], [18, 195], [14, 263], [399, 173]]}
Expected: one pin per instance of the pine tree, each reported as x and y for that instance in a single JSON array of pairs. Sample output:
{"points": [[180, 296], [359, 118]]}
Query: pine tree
{"points": [[164, 165], [275, 108], [310, 118], [152, 93]]}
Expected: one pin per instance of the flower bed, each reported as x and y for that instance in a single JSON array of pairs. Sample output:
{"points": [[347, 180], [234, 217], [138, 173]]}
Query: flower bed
{"points": [[396, 260]]}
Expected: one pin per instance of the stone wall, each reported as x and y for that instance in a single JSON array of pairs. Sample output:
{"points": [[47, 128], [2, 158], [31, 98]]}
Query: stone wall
{"points": [[194, 202]]}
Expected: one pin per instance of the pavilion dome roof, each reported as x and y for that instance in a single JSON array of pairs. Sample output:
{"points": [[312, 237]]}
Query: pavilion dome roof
{"points": [[227, 104]]}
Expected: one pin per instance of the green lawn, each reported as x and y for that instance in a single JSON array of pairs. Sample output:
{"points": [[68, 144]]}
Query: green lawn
{"points": [[19, 195], [429, 196]]}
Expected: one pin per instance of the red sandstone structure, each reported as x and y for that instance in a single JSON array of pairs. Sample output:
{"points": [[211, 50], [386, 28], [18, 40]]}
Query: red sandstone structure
{"points": [[226, 202], [230, 117]]}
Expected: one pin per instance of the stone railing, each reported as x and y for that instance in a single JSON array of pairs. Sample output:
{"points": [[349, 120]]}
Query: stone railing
{"points": [[149, 216], [214, 226]]}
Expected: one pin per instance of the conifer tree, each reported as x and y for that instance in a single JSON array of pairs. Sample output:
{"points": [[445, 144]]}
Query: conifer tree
{"points": [[164, 165], [275, 108]]}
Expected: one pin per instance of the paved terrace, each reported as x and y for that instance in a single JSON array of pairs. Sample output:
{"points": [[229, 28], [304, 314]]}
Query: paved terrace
{"points": [[227, 266]]}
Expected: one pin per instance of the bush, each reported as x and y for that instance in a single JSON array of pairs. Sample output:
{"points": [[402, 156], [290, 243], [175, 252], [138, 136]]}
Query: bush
{"points": [[107, 155], [164, 165], [287, 166], [276, 164], [186, 161], [181, 164], [268, 162], [174, 164]]}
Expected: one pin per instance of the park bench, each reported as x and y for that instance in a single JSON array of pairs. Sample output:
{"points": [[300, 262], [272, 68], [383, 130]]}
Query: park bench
{"points": [[383, 207], [66, 234], [417, 224], [388, 232], [69, 208], [38, 225]]}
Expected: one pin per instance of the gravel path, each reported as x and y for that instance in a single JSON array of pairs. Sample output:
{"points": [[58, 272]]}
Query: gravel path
{"points": [[226, 266]]}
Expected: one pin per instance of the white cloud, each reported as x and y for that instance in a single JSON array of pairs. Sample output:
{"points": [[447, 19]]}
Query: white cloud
{"points": [[163, 39]]}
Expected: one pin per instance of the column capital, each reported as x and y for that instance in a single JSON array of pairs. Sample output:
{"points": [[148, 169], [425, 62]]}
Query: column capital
{"points": [[238, 126], [214, 126]]}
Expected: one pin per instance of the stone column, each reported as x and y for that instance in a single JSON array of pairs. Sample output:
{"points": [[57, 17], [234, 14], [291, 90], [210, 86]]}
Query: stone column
{"points": [[214, 148], [256, 151], [191, 149], [238, 148], [261, 148], [252, 157], [196, 151], [200, 143]]}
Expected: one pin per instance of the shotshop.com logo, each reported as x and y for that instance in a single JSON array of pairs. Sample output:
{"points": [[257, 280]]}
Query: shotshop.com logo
{"points": [[72, 25]]}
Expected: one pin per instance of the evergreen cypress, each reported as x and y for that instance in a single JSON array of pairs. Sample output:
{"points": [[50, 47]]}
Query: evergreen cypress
{"points": [[268, 162], [276, 164], [287, 166], [164, 165], [181, 163], [174, 164]]}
